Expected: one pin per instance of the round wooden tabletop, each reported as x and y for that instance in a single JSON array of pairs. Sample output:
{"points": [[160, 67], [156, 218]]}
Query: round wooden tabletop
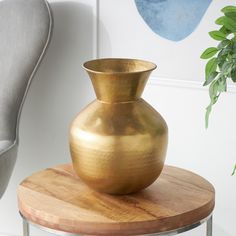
{"points": [[56, 198]]}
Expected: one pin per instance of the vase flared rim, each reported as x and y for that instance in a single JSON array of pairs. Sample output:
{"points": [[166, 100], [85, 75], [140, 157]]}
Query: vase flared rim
{"points": [[118, 66]]}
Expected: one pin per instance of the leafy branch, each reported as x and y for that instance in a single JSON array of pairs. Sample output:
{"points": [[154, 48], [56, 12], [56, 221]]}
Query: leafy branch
{"points": [[221, 63], [234, 171]]}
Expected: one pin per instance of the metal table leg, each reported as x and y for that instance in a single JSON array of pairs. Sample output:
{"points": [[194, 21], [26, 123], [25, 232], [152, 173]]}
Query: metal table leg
{"points": [[25, 228], [209, 227]]}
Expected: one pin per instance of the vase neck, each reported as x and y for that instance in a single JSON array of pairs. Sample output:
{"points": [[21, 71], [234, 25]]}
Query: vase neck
{"points": [[113, 88]]}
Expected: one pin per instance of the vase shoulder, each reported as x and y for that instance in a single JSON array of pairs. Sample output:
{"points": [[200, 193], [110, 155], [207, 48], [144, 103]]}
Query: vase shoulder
{"points": [[129, 118]]}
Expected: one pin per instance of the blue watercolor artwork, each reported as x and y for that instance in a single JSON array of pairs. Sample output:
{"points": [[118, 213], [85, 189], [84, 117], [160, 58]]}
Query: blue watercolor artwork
{"points": [[172, 19]]}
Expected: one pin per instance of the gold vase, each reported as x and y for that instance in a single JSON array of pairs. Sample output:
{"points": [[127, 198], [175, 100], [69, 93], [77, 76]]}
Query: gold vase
{"points": [[118, 142]]}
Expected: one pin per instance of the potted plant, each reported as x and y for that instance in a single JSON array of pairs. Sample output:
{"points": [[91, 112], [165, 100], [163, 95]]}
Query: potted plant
{"points": [[221, 65]]}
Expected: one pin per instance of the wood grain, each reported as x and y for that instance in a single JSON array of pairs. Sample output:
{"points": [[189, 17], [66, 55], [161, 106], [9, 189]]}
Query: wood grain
{"points": [[56, 198]]}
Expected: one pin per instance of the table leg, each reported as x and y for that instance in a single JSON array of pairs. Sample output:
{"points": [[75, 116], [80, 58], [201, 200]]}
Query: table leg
{"points": [[25, 228], [209, 227]]}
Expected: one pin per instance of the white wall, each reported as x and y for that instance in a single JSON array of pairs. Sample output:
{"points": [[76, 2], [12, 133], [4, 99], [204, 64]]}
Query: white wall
{"points": [[210, 153], [61, 88], [175, 90]]}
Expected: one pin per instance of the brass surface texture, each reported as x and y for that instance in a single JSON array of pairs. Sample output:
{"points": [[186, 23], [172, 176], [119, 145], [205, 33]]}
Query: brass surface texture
{"points": [[118, 142]]}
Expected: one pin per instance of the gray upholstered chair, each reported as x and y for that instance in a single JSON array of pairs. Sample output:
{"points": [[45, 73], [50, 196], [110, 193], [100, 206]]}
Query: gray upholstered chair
{"points": [[25, 32]]}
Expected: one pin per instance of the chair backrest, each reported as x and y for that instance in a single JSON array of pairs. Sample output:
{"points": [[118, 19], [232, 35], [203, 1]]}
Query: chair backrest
{"points": [[25, 32]]}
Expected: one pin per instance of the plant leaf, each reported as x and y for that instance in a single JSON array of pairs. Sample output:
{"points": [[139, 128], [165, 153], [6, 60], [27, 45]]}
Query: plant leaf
{"points": [[234, 57], [210, 78], [222, 85], [224, 30], [223, 43], [229, 9], [234, 170], [217, 35], [227, 22], [233, 75], [213, 91], [208, 112], [220, 20], [226, 68], [210, 67], [209, 52], [225, 51], [221, 60], [214, 95], [234, 48], [231, 15]]}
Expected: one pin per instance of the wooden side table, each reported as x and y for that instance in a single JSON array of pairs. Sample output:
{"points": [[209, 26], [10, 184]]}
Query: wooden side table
{"points": [[57, 201]]}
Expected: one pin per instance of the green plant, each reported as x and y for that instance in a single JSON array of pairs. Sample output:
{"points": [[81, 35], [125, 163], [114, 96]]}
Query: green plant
{"points": [[221, 64], [234, 171]]}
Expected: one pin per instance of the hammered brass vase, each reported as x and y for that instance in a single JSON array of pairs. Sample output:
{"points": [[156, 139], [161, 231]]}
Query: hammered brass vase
{"points": [[118, 142]]}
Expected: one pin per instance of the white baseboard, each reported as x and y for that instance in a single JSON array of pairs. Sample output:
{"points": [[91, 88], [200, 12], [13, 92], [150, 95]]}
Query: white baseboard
{"points": [[181, 83], [7, 234]]}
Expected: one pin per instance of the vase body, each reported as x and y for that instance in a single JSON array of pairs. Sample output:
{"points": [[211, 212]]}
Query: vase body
{"points": [[118, 142]]}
